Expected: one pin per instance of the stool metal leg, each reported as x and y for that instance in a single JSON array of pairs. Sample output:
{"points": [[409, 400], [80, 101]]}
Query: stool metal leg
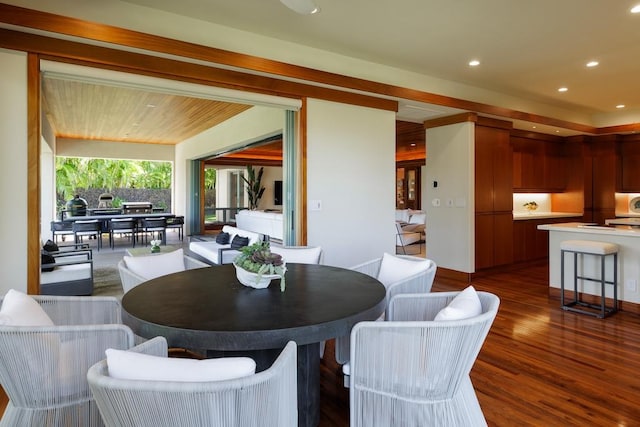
{"points": [[602, 283]]}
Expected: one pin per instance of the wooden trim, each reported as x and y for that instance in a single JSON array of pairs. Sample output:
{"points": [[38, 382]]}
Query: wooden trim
{"points": [[136, 63], [33, 174], [494, 123], [23, 17], [450, 120], [536, 135], [448, 275], [631, 127], [302, 189]]}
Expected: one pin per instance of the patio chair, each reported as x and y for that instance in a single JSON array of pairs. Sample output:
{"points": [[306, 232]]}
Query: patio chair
{"points": [[177, 223], [404, 239], [267, 398], [69, 271], [413, 370], [122, 226], [157, 227], [399, 274], [48, 344], [299, 254], [136, 270], [88, 228]]}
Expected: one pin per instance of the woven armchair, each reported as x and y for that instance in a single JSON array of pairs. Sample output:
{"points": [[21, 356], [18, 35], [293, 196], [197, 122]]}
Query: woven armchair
{"points": [[43, 368], [265, 399], [416, 283], [130, 279], [413, 371]]}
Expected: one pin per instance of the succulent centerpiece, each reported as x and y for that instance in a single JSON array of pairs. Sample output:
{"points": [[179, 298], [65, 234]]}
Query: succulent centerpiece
{"points": [[256, 266]]}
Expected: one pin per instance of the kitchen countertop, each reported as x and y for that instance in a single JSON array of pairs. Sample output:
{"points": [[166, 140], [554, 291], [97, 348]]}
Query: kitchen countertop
{"points": [[591, 228], [544, 215]]}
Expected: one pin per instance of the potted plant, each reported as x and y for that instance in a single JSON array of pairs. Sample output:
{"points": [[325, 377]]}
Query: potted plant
{"points": [[531, 206], [254, 186], [256, 266]]}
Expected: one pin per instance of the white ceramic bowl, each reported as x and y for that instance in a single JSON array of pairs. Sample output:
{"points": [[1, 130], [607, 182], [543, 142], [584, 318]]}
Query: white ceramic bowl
{"points": [[250, 279]]}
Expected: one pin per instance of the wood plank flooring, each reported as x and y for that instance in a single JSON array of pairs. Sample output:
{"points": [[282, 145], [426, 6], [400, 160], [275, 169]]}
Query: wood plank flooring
{"points": [[540, 366]]}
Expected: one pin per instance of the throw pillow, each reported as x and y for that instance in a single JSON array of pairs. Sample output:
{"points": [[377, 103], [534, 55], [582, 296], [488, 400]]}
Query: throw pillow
{"points": [[19, 309], [49, 246], [393, 268], [222, 238], [465, 305], [239, 242], [152, 266], [137, 366], [45, 258]]}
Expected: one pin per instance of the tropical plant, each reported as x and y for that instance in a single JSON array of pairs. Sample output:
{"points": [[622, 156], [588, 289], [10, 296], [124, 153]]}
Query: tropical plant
{"points": [[258, 258], [254, 186]]}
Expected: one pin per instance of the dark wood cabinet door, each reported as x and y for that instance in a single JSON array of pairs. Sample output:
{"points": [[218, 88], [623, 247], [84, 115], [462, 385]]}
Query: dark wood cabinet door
{"points": [[484, 241], [630, 166]]}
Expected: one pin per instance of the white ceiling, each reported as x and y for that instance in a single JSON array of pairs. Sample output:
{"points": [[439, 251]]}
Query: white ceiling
{"points": [[527, 49]]}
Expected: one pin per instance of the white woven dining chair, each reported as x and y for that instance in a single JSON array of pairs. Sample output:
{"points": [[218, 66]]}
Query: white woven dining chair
{"points": [[412, 279], [414, 371], [264, 399], [43, 368], [299, 254]]}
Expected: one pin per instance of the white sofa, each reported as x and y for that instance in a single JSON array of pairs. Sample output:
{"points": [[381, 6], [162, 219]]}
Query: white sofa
{"points": [[266, 223], [216, 253]]}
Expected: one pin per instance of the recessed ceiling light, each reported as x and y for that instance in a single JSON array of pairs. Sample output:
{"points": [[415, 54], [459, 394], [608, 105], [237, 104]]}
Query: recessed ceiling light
{"points": [[474, 63], [563, 89], [151, 106], [635, 9], [620, 106], [534, 127], [592, 64]]}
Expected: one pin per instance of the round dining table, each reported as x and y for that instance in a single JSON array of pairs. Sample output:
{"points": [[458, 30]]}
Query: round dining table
{"points": [[208, 309]]}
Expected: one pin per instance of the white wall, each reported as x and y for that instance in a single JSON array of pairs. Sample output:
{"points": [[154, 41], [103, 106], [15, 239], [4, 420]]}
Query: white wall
{"points": [[350, 170], [450, 162], [13, 167], [252, 125]]}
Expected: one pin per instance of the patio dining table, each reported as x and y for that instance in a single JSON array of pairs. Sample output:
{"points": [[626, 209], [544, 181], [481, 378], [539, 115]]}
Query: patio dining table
{"points": [[209, 309]]}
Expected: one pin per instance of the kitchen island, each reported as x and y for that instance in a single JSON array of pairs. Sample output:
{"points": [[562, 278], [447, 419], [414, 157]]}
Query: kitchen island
{"points": [[626, 237]]}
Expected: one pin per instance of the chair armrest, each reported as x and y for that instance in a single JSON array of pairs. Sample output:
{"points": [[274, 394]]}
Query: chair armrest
{"points": [[128, 278], [86, 254], [156, 346], [370, 268], [191, 263], [221, 252]]}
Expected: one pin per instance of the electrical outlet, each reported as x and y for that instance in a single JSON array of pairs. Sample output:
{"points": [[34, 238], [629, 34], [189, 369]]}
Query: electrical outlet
{"points": [[631, 285], [449, 203]]}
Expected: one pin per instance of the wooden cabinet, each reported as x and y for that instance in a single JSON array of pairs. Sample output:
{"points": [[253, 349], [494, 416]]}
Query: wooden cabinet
{"points": [[529, 243], [539, 165], [629, 153], [493, 196], [604, 177]]}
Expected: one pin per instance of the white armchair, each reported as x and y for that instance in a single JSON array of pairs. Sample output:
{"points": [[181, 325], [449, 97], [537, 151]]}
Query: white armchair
{"points": [[267, 398], [399, 274], [299, 254], [48, 344], [135, 270], [414, 371]]}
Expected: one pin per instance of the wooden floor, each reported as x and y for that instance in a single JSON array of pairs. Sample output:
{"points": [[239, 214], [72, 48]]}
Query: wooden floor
{"points": [[540, 366]]}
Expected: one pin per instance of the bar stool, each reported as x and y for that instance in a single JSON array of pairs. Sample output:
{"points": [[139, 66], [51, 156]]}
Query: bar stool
{"points": [[600, 250]]}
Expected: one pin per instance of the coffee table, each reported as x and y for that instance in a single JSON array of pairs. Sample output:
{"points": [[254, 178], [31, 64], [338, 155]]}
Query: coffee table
{"points": [[208, 309], [146, 250]]}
